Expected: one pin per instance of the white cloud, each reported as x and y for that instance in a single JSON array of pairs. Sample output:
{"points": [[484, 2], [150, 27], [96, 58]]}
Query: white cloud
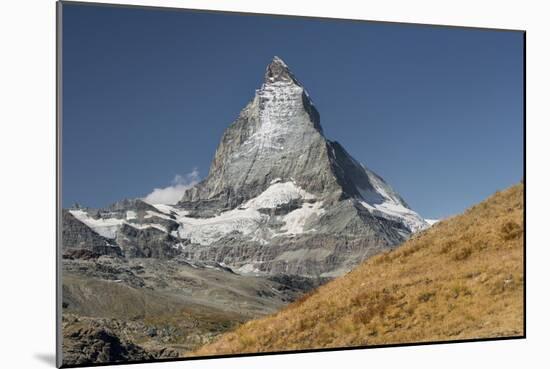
{"points": [[172, 194]]}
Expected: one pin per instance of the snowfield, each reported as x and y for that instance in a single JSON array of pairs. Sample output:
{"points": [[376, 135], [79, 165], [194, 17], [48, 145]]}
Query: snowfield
{"points": [[108, 227], [278, 194], [296, 219], [104, 227], [247, 219]]}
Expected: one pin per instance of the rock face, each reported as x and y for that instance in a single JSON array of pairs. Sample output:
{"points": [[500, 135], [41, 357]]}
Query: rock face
{"points": [[280, 198], [147, 242], [78, 236], [277, 136]]}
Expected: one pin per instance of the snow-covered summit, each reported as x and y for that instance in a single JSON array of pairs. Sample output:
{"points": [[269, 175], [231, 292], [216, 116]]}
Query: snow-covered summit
{"points": [[278, 71]]}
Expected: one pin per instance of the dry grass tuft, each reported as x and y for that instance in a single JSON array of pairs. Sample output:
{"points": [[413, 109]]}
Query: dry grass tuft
{"points": [[460, 279]]}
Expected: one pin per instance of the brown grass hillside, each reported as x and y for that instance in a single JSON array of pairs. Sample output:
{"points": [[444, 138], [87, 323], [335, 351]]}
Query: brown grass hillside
{"points": [[461, 279]]}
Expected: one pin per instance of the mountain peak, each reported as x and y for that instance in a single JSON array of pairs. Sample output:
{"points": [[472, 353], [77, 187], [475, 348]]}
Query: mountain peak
{"points": [[279, 61], [277, 138], [278, 71]]}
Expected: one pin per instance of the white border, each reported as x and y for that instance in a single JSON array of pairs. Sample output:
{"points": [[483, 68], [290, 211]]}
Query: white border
{"points": [[27, 151]]}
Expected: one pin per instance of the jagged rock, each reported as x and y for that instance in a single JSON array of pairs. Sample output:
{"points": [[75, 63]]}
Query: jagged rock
{"points": [[148, 242], [130, 204], [92, 343], [77, 236]]}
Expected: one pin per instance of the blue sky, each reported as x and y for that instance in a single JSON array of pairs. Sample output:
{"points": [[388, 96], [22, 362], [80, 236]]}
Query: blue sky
{"points": [[147, 94]]}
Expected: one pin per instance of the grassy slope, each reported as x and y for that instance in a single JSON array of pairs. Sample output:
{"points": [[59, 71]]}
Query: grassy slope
{"points": [[461, 279]]}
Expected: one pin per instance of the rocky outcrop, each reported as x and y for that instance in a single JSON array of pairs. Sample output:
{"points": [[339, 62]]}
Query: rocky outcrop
{"points": [[148, 242], [90, 342], [132, 228], [78, 236], [122, 206]]}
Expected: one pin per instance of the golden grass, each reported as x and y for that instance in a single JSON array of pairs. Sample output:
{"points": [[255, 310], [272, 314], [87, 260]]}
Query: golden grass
{"points": [[460, 279]]}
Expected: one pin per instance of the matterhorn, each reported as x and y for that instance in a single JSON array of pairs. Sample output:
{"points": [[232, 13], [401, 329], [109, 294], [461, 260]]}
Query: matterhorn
{"points": [[279, 198]]}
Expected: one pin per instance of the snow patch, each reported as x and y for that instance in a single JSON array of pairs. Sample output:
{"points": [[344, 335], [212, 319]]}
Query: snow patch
{"points": [[248, 269], [295, 221], [384, 202], [205, 231], [280, 102], [179, 246], [278, 194], [107, 227], [150, 225], [432, 221]]}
